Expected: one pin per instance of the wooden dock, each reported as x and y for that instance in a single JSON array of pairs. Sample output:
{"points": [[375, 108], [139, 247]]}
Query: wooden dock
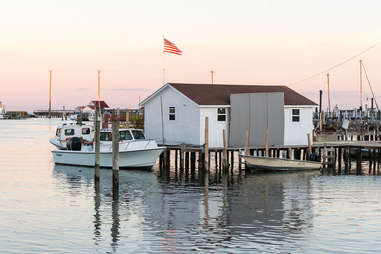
{"points": [[338, 158]]}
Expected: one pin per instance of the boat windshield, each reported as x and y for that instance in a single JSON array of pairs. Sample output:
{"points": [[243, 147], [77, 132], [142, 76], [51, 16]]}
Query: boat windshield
{"points": [[125, 135], [106, 136], [138, 134]]}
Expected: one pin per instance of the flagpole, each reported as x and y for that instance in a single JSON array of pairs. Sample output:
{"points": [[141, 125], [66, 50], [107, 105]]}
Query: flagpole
{"points": [[163, 64]]}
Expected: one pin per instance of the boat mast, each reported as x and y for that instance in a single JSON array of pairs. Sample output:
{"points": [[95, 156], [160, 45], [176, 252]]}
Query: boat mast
{"points": [[360, 88], [50, 93]]}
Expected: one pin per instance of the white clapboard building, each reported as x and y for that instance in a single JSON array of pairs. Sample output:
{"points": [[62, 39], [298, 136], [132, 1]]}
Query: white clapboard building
{"points": [[175, 114]]}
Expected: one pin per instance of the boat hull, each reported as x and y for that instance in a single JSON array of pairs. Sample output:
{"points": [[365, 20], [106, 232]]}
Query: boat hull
{"points": [[277, 164], [127, 159]]}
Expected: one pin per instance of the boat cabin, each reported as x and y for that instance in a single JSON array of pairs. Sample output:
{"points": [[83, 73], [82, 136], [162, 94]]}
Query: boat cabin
{"points": [[124, 135], [67, 131]]}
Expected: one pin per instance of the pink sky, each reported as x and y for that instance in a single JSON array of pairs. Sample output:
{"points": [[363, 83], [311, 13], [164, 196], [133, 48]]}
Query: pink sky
{"points": [[245, 42]]}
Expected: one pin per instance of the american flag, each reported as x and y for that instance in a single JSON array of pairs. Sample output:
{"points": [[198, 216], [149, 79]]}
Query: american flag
{"points": [[170, 47]]}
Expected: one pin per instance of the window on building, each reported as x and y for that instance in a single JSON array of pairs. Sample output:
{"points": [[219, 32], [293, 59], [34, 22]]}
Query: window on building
{"points": [[69, 132], [85, 131], [221, 114], [296, 115], [172, 113]]}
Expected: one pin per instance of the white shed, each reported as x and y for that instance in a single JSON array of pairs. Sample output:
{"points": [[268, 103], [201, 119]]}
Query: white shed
{"points": [[175, 114]]}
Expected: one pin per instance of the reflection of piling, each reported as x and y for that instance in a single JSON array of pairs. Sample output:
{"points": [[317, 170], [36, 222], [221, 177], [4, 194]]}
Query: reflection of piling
{"points": [[225, 164], [115, 156], [267, 142], [206, 160], [97, 147]]}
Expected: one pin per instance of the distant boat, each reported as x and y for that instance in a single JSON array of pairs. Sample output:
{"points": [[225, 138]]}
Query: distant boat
{"points": [[279, 164]]}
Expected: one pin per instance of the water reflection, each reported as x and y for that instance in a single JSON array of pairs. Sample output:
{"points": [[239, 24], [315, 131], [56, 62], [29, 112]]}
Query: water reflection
{"points": [[251, 211], [97, 217]]}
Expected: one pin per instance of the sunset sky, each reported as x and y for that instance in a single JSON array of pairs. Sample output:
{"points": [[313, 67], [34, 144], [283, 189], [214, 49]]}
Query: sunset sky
{"points": [[244, 42]]}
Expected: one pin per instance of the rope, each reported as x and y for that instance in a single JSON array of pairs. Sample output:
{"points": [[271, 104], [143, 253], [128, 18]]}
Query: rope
{"points": [[336, 65], [366, 75]]}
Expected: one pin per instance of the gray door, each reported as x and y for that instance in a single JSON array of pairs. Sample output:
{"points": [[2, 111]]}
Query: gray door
{"points": [[255, 112]]}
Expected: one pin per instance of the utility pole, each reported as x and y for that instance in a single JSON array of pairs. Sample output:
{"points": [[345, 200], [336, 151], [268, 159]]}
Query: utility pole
{"points": [[211, 75], [329, 95], [50, 94], [99, 89]]}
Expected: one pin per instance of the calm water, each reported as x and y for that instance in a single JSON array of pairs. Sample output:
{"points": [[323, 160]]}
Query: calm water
{"points": [[54, 209]]}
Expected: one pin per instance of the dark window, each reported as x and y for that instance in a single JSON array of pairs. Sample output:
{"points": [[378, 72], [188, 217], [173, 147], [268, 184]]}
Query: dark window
{"points": [[138, 134], [58, 132], [172, 113], [221, 114], [125, 135], [86, 131], [106, 136], [296, 115], [69, 132]]}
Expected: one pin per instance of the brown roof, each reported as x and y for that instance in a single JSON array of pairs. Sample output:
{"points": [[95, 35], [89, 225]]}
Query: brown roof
{"points": [[103, 104], [206, 94]]}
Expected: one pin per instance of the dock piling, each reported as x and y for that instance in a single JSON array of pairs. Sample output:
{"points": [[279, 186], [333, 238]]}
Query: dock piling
{"points": [[115, 156], [97, 147]]}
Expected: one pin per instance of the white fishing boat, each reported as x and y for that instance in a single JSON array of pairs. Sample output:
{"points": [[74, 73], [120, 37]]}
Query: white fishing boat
{"points": [[279, 164], [134, 150]]}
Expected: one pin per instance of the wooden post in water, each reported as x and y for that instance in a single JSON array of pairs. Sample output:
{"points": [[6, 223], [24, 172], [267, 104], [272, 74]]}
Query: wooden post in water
{"points": [[181, 159], [346, 160], [339, 156], [186, 164], [359, 161], [176, 160], [225, 153], [97, 146], [115, 156], [247, 152], [206, 160], [267, 142], [309, 144], [232, 161], [193, 164]]}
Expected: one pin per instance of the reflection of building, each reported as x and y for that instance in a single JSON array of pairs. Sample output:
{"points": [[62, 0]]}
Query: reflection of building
{"points": [[277, 204]]}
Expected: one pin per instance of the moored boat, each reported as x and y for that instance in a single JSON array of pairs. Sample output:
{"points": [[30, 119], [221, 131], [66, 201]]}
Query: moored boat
{"points": [[134, 150], [279, 164]]}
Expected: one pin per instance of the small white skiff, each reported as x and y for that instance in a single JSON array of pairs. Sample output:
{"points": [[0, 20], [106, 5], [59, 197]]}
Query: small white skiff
{"points": [[279, 164]]}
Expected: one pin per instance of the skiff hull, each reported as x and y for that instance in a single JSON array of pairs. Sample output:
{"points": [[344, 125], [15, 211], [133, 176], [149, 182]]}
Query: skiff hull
{"points": [[277, 164], [127, 159]]}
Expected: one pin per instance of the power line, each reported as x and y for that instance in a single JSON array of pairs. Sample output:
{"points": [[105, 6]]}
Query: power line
{"points": [[336, 65]]}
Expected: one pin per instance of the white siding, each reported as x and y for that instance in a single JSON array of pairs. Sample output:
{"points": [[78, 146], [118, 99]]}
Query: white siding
{"points": [[295, 133], [186, 127], [215, 127]]}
